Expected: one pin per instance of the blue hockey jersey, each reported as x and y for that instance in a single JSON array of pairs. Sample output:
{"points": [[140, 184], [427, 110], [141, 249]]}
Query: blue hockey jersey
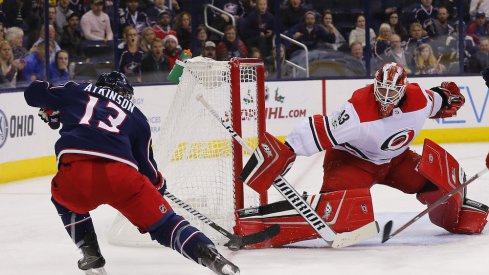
{"points": [[97, 121]]}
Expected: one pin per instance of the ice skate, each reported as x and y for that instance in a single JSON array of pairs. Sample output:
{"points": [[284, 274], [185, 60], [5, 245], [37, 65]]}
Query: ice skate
{"points": [[215, 261], [92, 258]]}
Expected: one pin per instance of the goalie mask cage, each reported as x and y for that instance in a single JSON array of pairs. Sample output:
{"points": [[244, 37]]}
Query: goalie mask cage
{"points": [[198, 157]]}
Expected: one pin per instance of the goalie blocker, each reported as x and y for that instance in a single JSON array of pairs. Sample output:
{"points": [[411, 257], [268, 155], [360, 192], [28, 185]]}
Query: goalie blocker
{"points": [[458, 214], [270, 159]]}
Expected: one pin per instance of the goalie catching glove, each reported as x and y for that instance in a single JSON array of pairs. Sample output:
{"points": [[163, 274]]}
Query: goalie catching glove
{"points": [[270, 159], [51, 117], [452, 99]]}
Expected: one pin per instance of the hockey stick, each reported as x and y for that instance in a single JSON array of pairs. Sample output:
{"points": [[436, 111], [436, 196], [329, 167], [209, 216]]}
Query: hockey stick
{"points": [[333, 239], [235, 242], [386, 235]]}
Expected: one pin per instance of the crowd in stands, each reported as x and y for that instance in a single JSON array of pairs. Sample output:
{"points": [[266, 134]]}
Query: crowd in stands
{"points": [[422, 35]]}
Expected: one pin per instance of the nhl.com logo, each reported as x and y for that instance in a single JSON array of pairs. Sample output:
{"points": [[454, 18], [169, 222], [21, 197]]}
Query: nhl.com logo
{"points": [[3, 128]]}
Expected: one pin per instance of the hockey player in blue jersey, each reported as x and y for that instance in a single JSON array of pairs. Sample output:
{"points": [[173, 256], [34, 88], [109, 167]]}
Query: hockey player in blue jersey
{"points": [[104, 156]]}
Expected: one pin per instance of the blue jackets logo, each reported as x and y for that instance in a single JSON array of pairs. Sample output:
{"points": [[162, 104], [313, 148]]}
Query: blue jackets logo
{"points": [[3, 128]]}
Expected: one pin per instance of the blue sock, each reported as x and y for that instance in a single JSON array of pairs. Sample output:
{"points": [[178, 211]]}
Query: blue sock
{"points": [[77, 225], [175, 232]]}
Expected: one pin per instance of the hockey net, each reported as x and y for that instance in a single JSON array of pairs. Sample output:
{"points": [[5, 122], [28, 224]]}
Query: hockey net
{"points": [[197, 156]]}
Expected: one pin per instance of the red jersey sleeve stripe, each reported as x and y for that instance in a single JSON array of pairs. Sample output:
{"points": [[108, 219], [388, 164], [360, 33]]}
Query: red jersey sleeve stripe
{"points": [[322, 132]]}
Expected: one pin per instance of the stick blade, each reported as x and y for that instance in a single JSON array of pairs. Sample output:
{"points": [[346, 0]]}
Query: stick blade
{"points": [[353, 237], [386, 235], [238, 242]]}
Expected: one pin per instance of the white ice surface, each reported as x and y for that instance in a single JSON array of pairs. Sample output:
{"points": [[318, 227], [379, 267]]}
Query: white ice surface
{"points": [[34, 242]]}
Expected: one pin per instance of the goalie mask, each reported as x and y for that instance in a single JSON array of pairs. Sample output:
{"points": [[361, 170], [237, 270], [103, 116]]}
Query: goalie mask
{"points": [[117, 82], [389, 85]]}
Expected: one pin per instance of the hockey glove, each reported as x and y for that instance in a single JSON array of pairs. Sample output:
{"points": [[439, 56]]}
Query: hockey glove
{"points": [[453, 100], [51, 117], [161, 185]]}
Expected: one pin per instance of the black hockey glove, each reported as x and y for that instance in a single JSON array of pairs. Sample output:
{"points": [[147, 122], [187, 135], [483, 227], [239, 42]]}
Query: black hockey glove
{"points": [[50, 117], [161, 185]]}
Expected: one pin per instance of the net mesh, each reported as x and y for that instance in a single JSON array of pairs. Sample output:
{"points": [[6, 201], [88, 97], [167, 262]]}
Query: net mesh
{"points": [[195, 153]]}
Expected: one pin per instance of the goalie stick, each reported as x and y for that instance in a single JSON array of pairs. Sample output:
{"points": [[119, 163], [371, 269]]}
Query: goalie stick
{"points": [[386, 235], [335, 240], [235, 242]]}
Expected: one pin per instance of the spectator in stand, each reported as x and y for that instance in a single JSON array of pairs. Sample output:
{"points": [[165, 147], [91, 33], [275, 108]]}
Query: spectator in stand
{"points": [[271, 64], [155, 66], [147, 37], [23, 14], [292, 14], [426, 15], [15, 37], [358, 64], [418, 37], [396, 25], [310, 33], [209, 50], [133, 17], [397, 54], [233, 7], [328, 26], [255, 53], [183, 27], [34, 63], [172, 50], [63, 12], [478, 6], [479, 27], [59, 68], [356, 51], [154, 11], [358, 34], [95, 25], [442, 27], [71, 38], [52, 21], [426, 62], [257, 28], [451, 46], [163, 26], [230, 46], [10, 67], [52, 42], [480, 59], [2, 31], [132, 55], [382, 43], [202, 37]]}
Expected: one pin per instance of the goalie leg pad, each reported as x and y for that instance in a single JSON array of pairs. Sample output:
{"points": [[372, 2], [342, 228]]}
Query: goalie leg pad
{"points": [[344, 211], [445, 174], [270, 159]]}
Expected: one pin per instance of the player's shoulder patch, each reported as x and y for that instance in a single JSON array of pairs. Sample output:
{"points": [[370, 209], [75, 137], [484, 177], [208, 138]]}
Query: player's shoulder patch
{"points": [[363, 100], [415, 99]]}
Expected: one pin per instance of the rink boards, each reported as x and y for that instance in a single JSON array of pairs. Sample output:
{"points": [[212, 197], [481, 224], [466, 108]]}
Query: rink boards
{"points": [[26, 143]]}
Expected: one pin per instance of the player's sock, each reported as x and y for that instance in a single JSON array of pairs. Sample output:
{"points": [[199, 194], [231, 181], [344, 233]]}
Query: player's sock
{"points": [[77, 225], [210, 258], [175, 232]]}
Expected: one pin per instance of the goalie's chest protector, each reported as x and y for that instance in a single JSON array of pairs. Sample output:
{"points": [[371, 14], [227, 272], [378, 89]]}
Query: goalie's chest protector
{"points": [[357, 128]]}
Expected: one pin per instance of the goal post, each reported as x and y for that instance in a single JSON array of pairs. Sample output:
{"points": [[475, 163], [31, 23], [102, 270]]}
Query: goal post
{"points": [[197, 156]]}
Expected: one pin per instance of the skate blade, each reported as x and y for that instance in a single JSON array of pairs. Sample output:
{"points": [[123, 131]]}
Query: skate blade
{"points": [[96, 271]]}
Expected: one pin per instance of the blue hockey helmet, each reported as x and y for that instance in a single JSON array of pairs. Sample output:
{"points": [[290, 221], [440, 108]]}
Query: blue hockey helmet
{"points": [[116, 81]]}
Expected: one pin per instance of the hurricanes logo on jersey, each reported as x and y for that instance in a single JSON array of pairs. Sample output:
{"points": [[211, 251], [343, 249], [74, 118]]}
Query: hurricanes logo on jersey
{"points": [[398, 140]]}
